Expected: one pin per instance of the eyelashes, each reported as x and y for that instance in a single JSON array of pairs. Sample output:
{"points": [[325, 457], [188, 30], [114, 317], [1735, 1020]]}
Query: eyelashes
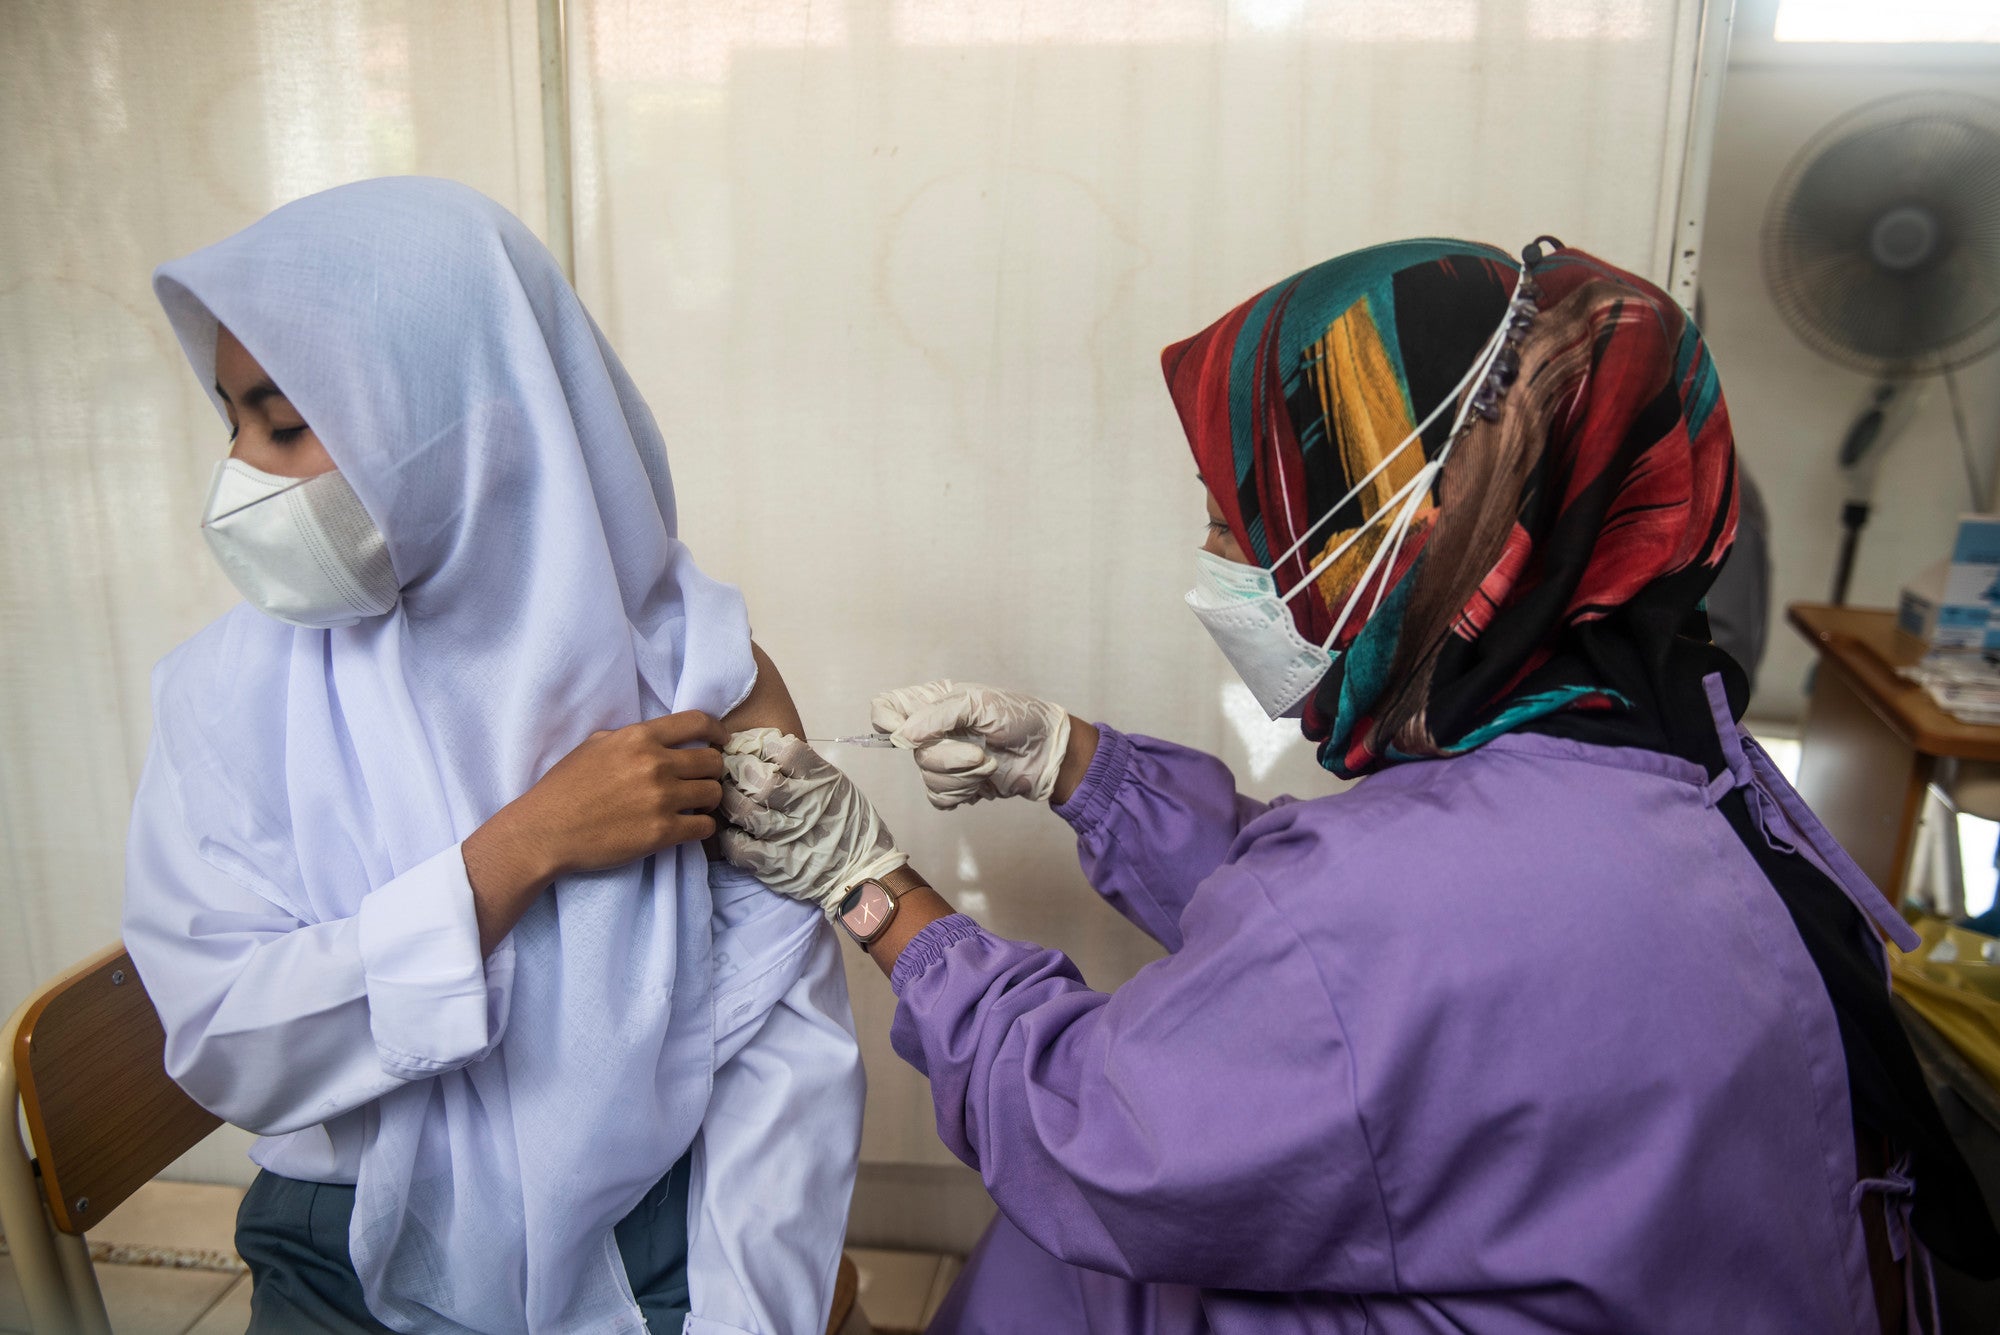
{"points": [[280, 436]]}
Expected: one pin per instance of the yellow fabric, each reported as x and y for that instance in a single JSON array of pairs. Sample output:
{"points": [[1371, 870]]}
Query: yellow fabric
{"points": [[1959, 995], [1361, 398]]}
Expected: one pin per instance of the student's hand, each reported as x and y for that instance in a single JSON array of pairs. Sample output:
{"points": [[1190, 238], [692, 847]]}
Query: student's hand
{"points": [[972, 742], [630, 792], [616, 798]]}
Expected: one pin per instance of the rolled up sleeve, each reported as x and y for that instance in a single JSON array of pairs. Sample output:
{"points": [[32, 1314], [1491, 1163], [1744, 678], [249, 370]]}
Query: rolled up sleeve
{"points": [[276, 1023], [429, 1007]]}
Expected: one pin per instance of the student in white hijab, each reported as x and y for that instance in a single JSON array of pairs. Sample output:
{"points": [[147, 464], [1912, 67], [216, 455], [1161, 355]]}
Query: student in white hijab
{"points": [[414, 876]]}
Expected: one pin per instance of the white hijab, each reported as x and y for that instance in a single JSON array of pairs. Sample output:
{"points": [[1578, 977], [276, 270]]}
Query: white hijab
{"points": [[522, 486]]}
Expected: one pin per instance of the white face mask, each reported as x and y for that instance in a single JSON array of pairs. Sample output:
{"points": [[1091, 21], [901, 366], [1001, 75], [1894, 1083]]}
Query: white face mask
{"points": [[1240, 606], [300, 549], [1246, 615]]}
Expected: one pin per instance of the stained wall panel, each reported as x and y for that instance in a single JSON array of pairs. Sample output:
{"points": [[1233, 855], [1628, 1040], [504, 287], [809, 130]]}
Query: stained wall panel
{"points": [[894, 274]]}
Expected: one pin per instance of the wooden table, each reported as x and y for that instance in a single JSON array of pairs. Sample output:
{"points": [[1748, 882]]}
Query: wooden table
{"points": [[1873, 741]]}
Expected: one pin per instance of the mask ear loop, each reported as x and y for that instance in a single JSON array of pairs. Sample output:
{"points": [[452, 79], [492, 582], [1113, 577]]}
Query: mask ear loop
{"points": [[1412, 494], [1405, 522], [1522, 282], [1478, 365], [1412, 500], [1398, 497]]}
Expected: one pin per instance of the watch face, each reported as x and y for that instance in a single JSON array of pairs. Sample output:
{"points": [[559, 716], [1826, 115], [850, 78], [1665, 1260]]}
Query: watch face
{"points": [[866, 911]]}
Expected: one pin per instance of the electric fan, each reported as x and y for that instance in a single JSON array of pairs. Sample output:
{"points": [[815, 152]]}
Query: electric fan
{"points": [[1882, 252]]}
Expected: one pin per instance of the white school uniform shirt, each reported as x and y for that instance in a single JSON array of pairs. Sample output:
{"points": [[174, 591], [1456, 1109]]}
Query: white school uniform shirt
{"points": [[296, 896]]}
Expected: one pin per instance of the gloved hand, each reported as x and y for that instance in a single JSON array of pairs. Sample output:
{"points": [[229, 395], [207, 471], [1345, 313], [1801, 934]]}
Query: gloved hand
{"points": [[798, 824], [974, 741]]}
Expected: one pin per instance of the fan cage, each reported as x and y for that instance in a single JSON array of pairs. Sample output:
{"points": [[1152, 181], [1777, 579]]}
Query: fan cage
{"points": [[1938, 154]]}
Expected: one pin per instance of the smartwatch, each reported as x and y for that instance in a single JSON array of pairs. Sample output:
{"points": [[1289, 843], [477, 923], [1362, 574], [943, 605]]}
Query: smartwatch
{"points": [[866, 912]]}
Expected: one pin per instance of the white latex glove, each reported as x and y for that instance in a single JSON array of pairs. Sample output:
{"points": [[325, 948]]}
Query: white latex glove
{"points": [[798, 824], [974, 741]]}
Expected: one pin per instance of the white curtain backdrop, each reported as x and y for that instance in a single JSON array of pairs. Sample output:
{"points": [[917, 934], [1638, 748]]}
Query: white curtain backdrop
{"points": [[894, 275]]}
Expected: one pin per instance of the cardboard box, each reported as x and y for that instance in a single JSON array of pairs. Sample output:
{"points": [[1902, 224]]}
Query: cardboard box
{"points": [[1917, 605], [1956, 604]]}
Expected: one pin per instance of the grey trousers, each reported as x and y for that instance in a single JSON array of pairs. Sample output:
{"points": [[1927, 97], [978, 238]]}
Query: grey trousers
{"points": [[293, 1236]]}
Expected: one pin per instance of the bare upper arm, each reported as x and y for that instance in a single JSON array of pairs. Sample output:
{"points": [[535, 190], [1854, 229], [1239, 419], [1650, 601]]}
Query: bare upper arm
{"points": [[769, 704]]}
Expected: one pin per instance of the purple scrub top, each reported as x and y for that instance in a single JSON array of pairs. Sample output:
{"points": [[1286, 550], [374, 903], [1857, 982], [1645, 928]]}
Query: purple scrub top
{"points": [[1521, 1040]]}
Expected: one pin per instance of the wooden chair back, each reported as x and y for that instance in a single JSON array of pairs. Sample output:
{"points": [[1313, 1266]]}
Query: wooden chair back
{"points": [[104, 1118], [102, 1113], [847, 1318]]}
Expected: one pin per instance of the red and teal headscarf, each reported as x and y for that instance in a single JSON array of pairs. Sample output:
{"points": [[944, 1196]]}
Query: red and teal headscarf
{"points": [[1296, 395]]}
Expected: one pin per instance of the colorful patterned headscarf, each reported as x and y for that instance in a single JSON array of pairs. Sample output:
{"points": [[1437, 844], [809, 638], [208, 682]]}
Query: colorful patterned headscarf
{"points": [[1293, 397]]}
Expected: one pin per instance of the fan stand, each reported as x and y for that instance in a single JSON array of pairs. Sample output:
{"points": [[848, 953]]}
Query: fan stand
{"points": [[1890, 406], [1853, 518]]}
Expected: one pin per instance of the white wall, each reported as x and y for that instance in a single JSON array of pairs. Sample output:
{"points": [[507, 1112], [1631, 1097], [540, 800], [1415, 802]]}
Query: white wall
{"points": [[904, 274], [1791, 407], [894, 274]]}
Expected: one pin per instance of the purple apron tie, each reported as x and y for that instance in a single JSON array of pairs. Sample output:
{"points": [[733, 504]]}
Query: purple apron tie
{"points": [[1788, 823], [1898, 1194]]}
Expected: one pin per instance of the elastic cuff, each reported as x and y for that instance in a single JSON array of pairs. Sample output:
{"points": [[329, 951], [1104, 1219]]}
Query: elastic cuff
{"points": [[927, 948], [1092, 801], [425, 974]]}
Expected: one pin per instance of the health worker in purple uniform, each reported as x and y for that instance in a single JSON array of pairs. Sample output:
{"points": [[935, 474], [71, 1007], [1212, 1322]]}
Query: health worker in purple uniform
{"points": [[1569, 1016]]}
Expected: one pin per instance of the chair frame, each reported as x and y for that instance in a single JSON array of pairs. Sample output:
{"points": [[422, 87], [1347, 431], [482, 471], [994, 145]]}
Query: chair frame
{"points": [[57, 1279]]}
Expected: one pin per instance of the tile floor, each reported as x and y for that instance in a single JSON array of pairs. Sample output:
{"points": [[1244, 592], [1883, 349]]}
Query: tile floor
{"points": [[899, 1290], [158, 1300]]}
